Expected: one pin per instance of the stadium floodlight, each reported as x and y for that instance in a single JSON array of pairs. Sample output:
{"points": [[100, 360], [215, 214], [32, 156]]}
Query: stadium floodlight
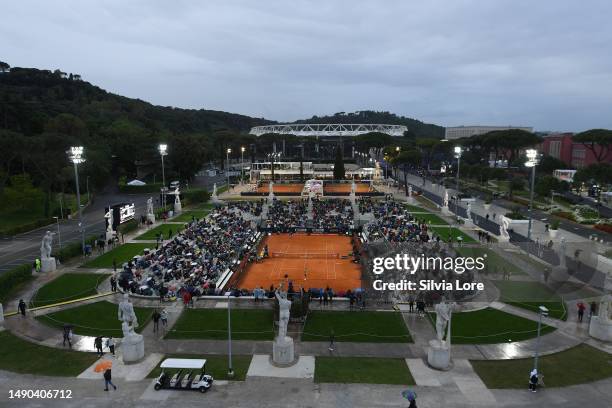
{"points": [[532, 161], [458, 152], [163, 151]]}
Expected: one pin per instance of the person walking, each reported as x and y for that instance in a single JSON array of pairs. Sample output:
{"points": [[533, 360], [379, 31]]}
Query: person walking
{"points": [[164, 318], [67, 336], [98, 346], [108, 380], [113, 283], [593, 309], [331, 340], [581, 308], [22, 307], [110, 343], [533, 380], [156, 316]]}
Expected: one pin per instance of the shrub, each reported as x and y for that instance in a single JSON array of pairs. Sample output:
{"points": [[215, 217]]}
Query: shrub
{"points": [[196, 196], [554, 225], [127, 227], [604, 227], [10, 280], [72, 250], [565, 214]]}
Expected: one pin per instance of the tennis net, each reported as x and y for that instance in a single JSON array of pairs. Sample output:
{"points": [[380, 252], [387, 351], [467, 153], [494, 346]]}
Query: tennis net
{"points": [[306, 255]]}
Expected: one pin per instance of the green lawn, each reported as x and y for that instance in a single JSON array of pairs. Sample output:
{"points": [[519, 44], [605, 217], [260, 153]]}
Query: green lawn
{"points": [[167, 230], [23, 357], [95, 319], [490, 326], [206, 206], [187, 216], [247, 324], [215, 365], [67, 287], [371, 370], [494, 263], [121, 254], [416, 208], [432, 219], [368, 327], [530, 295], [578, 365], [446, 232]]}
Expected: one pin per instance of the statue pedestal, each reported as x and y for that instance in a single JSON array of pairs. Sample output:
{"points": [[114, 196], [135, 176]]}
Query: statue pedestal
{"points": [[132, 348], [48, 265], [446, 211], [282, 351], [559, 274], [600, 329], [151, 218], [178, 208], [438, 355], [501, 238], [468, 223], [109, 236]]}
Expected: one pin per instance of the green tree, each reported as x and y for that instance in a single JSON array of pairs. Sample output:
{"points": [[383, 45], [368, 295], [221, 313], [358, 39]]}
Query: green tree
{"points": [[600, 173], [187, 154], [339, 173], [405, 159], [598, 141], [548, 164]]}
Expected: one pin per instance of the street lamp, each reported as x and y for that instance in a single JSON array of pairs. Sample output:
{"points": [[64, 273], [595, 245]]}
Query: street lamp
{"points": [[76, 157], [532, 161], [227, 169], [230, 369], [163, 151], [242, 149], [543, 312], [59, 236], [458, 156]]}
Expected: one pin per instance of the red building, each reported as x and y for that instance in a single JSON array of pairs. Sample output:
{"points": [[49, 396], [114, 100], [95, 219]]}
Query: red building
{"points": [[562, 147]]}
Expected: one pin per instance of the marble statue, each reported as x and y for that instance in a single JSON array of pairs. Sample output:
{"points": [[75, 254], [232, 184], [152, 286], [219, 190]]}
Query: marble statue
{"points": [[284, 307], [126, 312], [562, 246], [150, 206], [445, 198], [503, 229], [271, 188], [46, 245], [604, 312], [443, 316], [409, 191], [353, 187], [469, 211], [109, 223], [600, 326], [178, 208], [214, 193]]}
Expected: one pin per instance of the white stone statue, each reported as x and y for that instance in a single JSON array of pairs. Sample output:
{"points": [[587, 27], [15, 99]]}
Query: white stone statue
{"points": [[605, 312], [271, 188], [126, 312], [150, 206], [353, 187], [214, 193], [445, 198], [562, 246], [46, 246], [503, 228], [409, 191], [177, 201], [443, 317], [600, 326], [284, 308], [109, 223], [469, 211]]}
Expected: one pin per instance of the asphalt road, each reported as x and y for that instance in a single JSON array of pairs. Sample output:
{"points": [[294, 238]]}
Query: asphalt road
{"points": [[24, 248]]}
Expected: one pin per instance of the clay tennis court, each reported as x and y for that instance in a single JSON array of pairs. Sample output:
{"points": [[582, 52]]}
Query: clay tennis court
{"points": [[295, 188], [310, 261], [346, 188]]}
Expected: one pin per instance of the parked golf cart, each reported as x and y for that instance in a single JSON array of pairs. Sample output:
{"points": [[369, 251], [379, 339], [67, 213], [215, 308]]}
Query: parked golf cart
{"points": [[191, 375]]}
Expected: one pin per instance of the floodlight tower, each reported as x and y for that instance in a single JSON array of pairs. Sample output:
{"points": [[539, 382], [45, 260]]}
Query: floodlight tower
{"points": [[163, 151], [76, 157], [532, 161], [458, 152]]}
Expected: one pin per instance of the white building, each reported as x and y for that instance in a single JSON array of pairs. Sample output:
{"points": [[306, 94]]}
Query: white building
{"points": [[458, 132]]}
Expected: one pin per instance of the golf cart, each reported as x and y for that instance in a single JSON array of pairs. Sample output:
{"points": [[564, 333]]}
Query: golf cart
{"points": [[191, 375]]}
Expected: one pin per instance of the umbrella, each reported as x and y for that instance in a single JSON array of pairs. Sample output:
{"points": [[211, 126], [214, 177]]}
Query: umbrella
{"points": [[103, 366], [409, 395]]}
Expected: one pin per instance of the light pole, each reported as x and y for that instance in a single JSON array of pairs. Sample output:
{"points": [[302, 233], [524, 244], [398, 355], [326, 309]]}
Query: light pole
{"points": [[59, 235], [458, 156], [163, 151], [230, 369], [87, 184], [242, 149], [532, 161], [543, 312], [76, 157], [227, 153]]}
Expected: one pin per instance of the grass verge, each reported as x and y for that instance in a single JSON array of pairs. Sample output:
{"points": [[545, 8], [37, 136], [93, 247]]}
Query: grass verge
{"points": [[167, 231], [67, 287], [367, 370], [530, 295], [121, 254], [215, 365]]}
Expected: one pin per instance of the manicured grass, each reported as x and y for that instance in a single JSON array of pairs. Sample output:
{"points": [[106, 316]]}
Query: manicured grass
{"points": [[69, 286], [416, 208], [247, 324], [167, 230], [445, 233], [368, 327], [578, 365], [206, 206], [530, 295], [95, 319], [490, 326], [494, 263], [429, 219], [23, 357], [187, 216], [429, 205], [215, 365], [121, 254], [370, 370]]}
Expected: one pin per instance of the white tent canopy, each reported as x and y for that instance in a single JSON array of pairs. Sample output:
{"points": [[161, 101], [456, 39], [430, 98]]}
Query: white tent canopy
{"points": [[136, 183]]}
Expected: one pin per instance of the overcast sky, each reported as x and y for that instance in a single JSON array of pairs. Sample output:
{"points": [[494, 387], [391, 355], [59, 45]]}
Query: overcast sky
{"points": [[546, 64]]}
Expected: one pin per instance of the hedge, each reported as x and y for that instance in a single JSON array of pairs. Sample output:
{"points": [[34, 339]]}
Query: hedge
{"points": [[12, 278], [195, 196], [131, 225], [72, 250]]}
